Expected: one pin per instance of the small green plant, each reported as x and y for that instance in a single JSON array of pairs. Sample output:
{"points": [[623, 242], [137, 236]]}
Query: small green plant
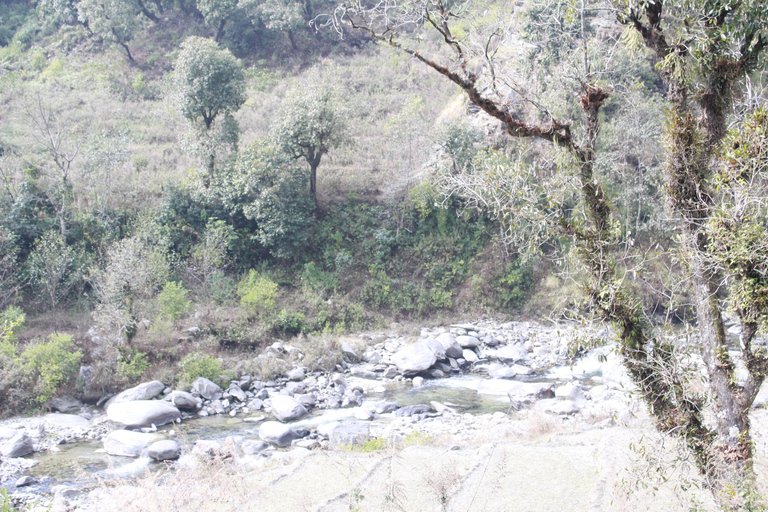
{"points": [[132, 363], [51, 364], [418, 438], [288, 322], [173, 301], [257, 292], [197, 364], [10, 320]]}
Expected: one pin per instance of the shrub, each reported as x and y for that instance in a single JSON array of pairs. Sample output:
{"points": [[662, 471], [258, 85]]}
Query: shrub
{"points": [[10, 319], [173, 301], [257, 292], [51, 364], [132, 364], [288, 322], [196, 365]]}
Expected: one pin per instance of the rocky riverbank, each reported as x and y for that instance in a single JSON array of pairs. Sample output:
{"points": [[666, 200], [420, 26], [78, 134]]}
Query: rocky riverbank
{"points": [[524, 367]]}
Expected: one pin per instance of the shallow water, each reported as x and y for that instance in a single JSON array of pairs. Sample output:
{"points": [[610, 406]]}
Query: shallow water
{"points": [[76, 461]]}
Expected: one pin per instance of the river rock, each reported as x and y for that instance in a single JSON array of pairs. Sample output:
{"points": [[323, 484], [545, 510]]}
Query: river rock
{"points": [[363, 373], [65, 404], [414, 358], [237, 392], [467, 341], [18, 445], [511, 353], [185, 401], [126, 443], [349, 353], [143, 413], [452, 348], [144, 391], [385, 407], [277, 433], [67, 421], [207, 389], [560, 407], [287, 408], [469, 355], [569, 392], [252, 447], [296, 374], [437, 348], [501, 371], [25, 481], [166, 449], [410, 410], [349, 433]]}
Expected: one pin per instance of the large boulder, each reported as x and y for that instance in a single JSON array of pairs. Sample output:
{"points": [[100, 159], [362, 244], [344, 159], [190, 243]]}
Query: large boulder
{"points": [[468, 341], [450, 345], [511, 353], [287, 408], [501, 371], [126, 443], [237, 392], [143, 413], [276, 433], [166, 449], [437, 348], [144, 391], [18, 444], [65, 404], [185, 401], [207, 389], [349, 433], [414, 358]]}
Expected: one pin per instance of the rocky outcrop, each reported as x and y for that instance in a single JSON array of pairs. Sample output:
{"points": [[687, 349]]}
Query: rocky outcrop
{"points": [[143, 413], [144, 391], [126, 443], [414, 358], [287, 408]]}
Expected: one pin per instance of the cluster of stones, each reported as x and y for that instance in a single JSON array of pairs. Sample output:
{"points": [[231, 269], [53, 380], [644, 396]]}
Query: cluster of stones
{"points": [[513, 355]]}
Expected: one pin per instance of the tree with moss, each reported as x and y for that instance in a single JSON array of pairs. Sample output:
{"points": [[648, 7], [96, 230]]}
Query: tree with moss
{"points": [[207, 88], [311, 122], [714, 164]]}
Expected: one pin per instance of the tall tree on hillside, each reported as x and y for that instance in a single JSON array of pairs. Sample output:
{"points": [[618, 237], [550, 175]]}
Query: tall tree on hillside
{"points": [[207, 88], [114, 21], [716, 185], [216, 14], [310, 123]]}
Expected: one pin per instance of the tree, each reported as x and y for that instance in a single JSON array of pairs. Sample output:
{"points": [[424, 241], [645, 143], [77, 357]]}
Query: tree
{"points": [[113, 21], [216, 14], [207, 88], [266, 186], [716, 180], [310, 123]]}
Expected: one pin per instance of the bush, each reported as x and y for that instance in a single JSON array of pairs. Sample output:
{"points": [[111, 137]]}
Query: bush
{"points": [[10, 320], [173, 301], [288, 322], [196, 365], [257, 292], [132, 364], [50, 364]]}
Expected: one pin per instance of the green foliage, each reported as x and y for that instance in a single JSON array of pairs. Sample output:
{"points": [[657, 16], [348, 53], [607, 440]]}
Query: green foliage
{"points": [[51, 364], [288, 322], [206, 82], [11, 320], [132, 364], [257, 292], [270, 189], [54, 268], [197, 364], [173, 301], [112, 21]]}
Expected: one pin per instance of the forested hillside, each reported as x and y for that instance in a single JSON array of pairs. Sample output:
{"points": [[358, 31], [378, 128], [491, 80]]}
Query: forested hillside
{"points": [[240, 168]]}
